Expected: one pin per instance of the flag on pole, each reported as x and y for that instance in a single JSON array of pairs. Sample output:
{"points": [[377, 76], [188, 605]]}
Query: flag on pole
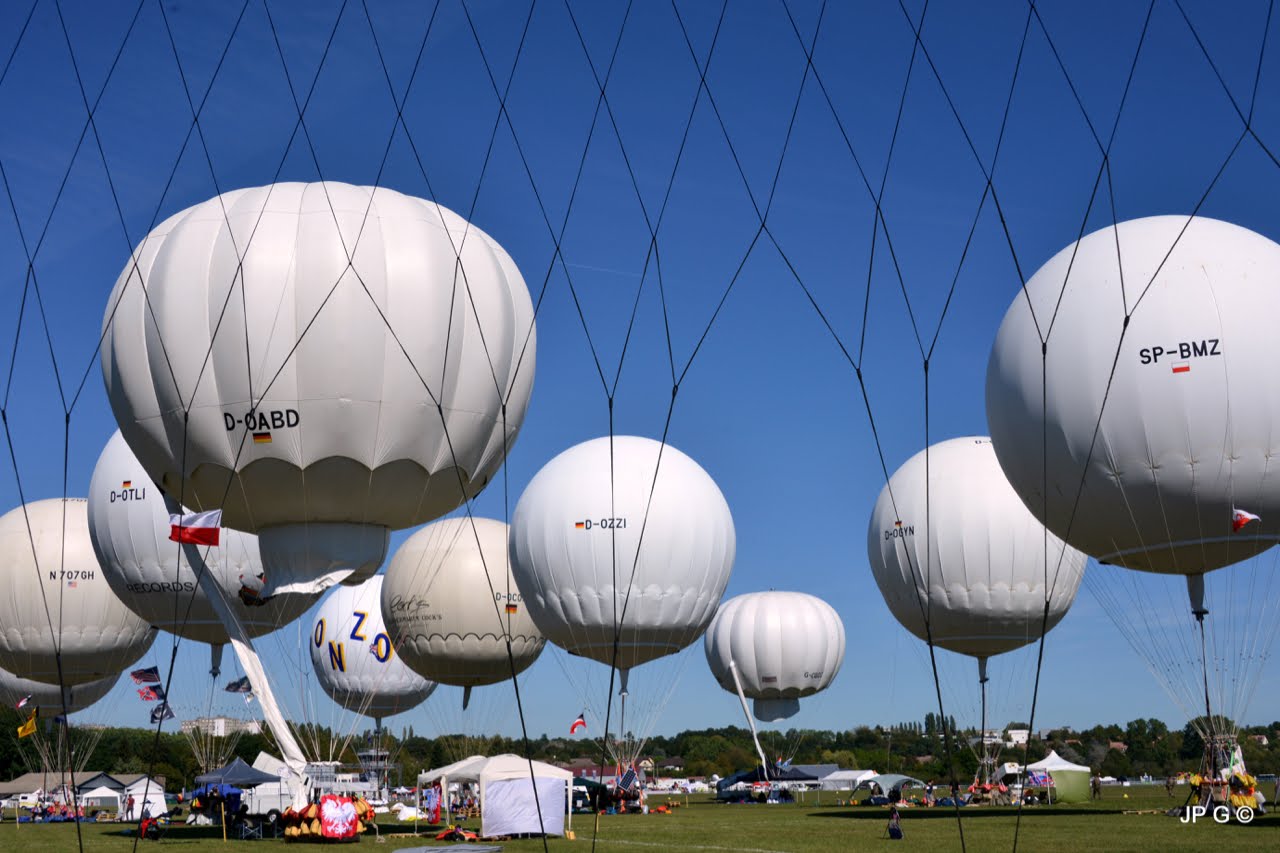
{"points": [[150, 675], [152, 694], [196, 528], [29, 727], [22, 703], [580, 723], [161, 712], [1240, 517]]}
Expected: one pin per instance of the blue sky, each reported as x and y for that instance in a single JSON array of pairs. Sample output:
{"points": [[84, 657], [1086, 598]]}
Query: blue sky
{"points": [[769, 406]]}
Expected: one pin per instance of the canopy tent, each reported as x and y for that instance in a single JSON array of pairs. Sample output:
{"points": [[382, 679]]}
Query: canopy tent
{"points": [[148, 797], [237, 774], [846, 780], [511, 803], [101, 798], [759, 774], [1070, 781], [888, 782]]}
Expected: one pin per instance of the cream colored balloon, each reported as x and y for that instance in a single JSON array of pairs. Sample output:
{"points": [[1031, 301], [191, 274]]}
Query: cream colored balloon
{"points": [[451, 604]]}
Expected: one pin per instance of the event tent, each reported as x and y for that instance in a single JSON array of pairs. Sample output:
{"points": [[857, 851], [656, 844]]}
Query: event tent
{"points": [[1070, 781], [846, 780], [509, 798], [888, 782], [148, 797], [100, 798], [237, 774]]}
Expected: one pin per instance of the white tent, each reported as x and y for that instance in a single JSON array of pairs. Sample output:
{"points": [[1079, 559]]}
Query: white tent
{"points": [[148, 797], [100, 798], [845, 780], [1053, 761], [509, 799]]}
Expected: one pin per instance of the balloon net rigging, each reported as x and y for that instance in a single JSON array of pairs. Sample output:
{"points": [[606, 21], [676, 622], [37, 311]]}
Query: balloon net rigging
{"points": [[799, 220]]}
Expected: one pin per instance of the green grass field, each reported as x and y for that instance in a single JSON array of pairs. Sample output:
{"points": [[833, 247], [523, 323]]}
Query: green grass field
{"points": [[705, 825]]}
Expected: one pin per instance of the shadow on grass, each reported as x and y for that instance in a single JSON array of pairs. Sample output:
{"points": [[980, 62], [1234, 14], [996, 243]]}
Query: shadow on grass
{"points": [[967, 813]]}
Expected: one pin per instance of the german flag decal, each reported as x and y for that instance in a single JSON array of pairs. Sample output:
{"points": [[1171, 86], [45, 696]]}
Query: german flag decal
{"points": [[579, 524], [513, 608], [126, 484], [262, 438]]}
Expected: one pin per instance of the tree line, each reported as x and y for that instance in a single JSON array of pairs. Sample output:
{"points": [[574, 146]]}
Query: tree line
{"points": [[917, 748]]}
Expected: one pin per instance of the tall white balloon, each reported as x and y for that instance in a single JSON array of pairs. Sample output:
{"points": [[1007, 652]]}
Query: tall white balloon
{"points": [[354, 658], [48, 698], [450, 605], [591, 584], [58, 600], [129, 528], [372, 365], [784, 645], [963, 560], [1155, 413]]}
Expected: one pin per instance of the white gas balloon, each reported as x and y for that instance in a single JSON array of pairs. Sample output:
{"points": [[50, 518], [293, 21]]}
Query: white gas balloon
{"points": [[354, 658], [323, 362], [451, 605], [959, 559], [784, 645], [48, 698], [592, 586], [59, 601], [1154, 414], [129, 527]]}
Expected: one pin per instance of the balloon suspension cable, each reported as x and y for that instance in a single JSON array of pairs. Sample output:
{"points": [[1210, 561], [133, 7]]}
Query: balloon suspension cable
{"points": [[987, 757], [755, 736]]}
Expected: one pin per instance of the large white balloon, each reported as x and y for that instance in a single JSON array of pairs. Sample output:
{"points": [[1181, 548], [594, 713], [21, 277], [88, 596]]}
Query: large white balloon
{"points": [[587, 578], [354, 658], [964, 560], [450, 604], [784, 645], [48, 698], [1179, 346], [129, 528], [57, 599], [329, 399]]}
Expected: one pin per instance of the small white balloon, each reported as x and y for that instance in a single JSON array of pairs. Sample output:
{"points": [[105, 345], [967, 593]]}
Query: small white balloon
{"points": [[784, 645], [592, 585], [354, 658], [451, 604], [59, 600], [961, 559]]}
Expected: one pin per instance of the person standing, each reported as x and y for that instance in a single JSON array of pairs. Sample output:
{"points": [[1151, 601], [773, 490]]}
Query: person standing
{"points": [[128, 808]]}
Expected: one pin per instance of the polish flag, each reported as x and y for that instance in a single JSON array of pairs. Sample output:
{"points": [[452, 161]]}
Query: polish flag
{"points": [[196, 528], [580, 723], [1239, 518]]}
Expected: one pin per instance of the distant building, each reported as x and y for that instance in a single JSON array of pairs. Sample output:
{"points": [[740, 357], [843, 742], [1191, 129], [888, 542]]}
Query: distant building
{"points": [[673, 764], [992, 736], [1261, 740], [221, 726], [1018, 737], [1119, 746]]}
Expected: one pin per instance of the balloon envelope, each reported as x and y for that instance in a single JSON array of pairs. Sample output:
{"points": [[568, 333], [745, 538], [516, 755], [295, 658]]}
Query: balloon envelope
{"points": [[48, 698], [578, 558], [362, 392], [354, 658], [57, 599], [785, 646], [1138, 436], [129, 528], [450, 604], [964, 561]]}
